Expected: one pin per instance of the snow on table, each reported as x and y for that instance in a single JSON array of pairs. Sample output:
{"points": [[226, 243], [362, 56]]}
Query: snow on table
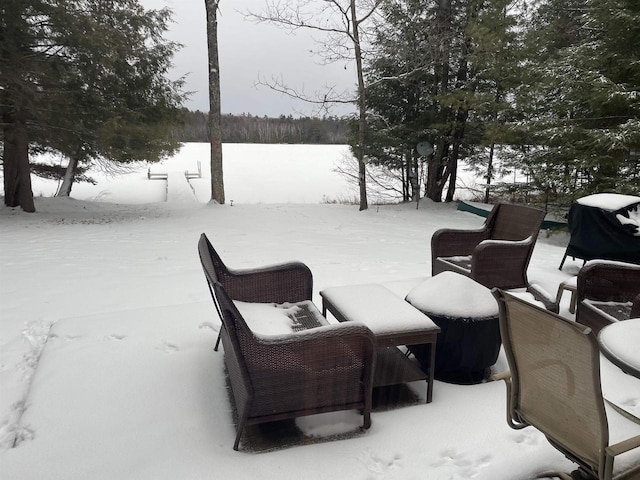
{"points": [[454, 296], [378, 308], [620, 340]]}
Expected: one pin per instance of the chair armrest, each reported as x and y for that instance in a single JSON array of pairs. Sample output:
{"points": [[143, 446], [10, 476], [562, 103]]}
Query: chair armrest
{"points": [[635, 309], [287, 282], [592, 317], [490, 251], [623, 446], [512, 416], [449, 242], [336, 348], [608, 281], [345, 331], [544, 297], [502, 263]]}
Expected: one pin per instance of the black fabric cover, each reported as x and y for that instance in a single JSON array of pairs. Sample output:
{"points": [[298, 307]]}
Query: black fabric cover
{"points": [[465, 348], [597, 233]]}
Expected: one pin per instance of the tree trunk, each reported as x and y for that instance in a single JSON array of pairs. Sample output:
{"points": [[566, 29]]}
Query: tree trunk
{"points": [[17, 174], [215, 130], [489, 177], [435, 172], [452, 165], [69, 177], [452, 173], [362, 119]]}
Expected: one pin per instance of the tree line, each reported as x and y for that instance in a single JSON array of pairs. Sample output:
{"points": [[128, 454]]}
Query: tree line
{"points": [[550, 88], [246, 128]]}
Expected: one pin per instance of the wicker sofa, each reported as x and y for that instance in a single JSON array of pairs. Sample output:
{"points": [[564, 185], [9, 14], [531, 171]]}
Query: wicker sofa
{"points": [[275, 377], [607, 292], [496, 255]]}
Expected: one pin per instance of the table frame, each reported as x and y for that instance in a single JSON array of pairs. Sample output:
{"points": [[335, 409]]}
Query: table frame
{"points": [[393, 366]]}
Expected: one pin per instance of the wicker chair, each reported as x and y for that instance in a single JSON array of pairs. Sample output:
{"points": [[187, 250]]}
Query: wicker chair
{"points": [[496, 255], [554, 386], [287, 282], [606, 292], [322, 369]]}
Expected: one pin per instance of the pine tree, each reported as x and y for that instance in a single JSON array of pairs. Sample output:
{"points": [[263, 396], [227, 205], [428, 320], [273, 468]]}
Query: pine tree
{"points": [[443, 73], [581, 107], [84, 78]]}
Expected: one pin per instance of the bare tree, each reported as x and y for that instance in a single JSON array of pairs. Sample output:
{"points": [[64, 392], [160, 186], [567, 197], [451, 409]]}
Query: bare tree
{"points": [[341, 21], [215, 130]]}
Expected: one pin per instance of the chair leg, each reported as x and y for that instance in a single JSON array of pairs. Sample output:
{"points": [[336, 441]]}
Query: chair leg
{"points": [[367, 419], [562, 262], [241, 425], [215, 349]]}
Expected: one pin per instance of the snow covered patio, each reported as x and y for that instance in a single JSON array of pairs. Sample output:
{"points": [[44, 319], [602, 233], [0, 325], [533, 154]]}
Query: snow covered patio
{"points": [[127, 384]]}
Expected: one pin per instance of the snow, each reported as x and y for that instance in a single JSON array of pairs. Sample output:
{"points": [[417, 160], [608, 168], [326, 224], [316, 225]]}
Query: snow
{"points": [[378, 308], [608, 201], [623, 338], [107, 328], [452, 295], [633, 220], [271, 319]]}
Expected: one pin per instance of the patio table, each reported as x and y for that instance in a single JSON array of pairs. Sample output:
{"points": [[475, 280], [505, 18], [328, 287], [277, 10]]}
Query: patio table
{"points": [[393, 322], [467, 314]]}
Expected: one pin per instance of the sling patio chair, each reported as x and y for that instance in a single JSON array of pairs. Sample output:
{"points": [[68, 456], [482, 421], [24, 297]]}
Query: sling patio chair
{"points": [[554, 385], [496, 255]]}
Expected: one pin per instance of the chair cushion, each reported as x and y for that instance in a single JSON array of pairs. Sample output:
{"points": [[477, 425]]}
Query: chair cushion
{"points": [[278, 319]]}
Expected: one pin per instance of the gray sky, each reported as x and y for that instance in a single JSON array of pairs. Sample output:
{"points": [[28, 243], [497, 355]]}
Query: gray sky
{"points": [[248, 52]]}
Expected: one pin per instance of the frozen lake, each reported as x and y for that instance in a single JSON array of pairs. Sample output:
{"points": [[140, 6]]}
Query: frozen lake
{"points": [[253, 173]]}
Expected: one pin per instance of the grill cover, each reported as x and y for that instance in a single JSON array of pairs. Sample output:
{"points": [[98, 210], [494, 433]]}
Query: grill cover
{"points": [[605, 226]]}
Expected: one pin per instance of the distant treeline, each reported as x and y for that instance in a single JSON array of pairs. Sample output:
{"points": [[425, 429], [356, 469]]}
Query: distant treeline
{"points": [[251, 129]]}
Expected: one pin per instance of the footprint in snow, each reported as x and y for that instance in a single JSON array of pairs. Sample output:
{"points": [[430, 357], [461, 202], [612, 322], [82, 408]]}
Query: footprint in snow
{"points": [[168, 347], [209, 325], [380, 464], [115, 337], [530, 437], [66, 338], [461, 465], [23, 434]]}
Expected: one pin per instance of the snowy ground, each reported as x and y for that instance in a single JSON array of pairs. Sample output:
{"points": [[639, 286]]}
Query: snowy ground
{"points": [[106, 332]]}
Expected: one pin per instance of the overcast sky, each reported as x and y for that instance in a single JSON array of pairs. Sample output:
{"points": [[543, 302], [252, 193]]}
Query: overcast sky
{"points": [[248, 52]]}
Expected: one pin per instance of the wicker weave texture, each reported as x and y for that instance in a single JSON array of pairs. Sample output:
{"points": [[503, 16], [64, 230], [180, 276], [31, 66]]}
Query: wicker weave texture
{"points": [[317, 370], [287, 282], [500, 251], [606, 282]]}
